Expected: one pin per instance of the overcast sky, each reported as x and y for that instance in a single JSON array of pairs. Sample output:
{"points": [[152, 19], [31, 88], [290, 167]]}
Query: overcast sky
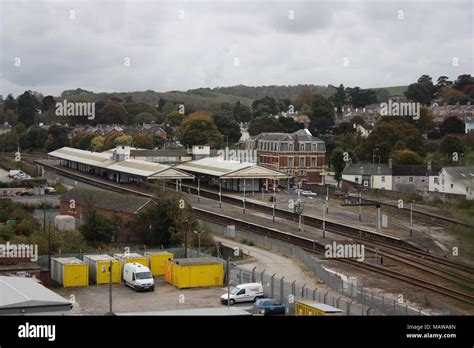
{"points": [[180, 45]]}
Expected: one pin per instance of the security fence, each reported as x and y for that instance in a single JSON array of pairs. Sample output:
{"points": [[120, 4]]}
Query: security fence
{"points": [[362, 301]]}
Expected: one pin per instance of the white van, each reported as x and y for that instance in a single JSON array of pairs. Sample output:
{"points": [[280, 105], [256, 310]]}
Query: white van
{"points": [[249, 292], [138, 277]]}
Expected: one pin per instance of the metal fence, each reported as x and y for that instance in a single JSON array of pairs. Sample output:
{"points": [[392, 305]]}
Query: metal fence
{"points": [[361, 301]]}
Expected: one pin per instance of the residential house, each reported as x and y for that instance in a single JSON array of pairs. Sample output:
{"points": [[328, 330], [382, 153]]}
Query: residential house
{"points": [[375, 176], [454, 180]]}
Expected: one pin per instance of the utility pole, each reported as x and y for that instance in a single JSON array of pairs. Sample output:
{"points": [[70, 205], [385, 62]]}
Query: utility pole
{"points": [[327, 199], [273, 202], [228, 282], [411, 219], [49, 246], [199, 242], [185, 220], [324, 222], [199, 187], [220, 193], [360, 205], [110, 288]]}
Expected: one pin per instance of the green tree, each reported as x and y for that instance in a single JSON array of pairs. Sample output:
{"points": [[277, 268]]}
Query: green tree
{"points": [[242, 112], [337, 163], [27, 108], [199, 129], [451, 144], [264, 124], [48, 103], [10, 104], [406, 157], [389, 135], [227, 126], [114, 113], [123, 140], [97, 230], [264, 107], [163, 222], [423, 91], [322, 114], [57, 137], [143, 141], [340, 98], [452, 125], [289, 125], [174, 118], [98, 144]]}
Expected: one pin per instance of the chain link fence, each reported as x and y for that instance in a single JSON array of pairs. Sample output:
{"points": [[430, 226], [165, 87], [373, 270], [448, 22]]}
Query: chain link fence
{"points": [[361, 301]]}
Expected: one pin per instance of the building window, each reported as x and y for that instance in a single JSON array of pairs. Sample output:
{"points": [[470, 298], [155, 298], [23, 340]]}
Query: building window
{"points": [[313, 147], [452, 186], [290, 162], [301, 147], [383, 178], [357, 179], [313, 162], [423, 179], [410, 179], [302, 162], [290, 147], [436, 181], [398, 178]]}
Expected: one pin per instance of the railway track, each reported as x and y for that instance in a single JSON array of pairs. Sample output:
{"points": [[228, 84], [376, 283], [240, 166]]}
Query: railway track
{"points": [[310, 245], [416, 255]]}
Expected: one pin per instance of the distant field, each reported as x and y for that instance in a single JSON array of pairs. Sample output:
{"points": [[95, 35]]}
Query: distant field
{"points": [[395, 91]]}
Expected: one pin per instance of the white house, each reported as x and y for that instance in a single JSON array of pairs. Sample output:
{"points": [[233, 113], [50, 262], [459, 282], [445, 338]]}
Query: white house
{"points": [[455, 180], [376, 176], [469, 125]]}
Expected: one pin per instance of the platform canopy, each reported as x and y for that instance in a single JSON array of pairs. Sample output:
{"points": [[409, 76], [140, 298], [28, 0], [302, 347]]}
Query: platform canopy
{"points": [[149, 170], [225, 169]]}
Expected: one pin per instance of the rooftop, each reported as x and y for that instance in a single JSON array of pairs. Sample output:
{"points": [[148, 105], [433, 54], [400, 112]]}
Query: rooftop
{"points": [[367, 169], [17, 292], [107, 200], [226, 169], [196, 261]]}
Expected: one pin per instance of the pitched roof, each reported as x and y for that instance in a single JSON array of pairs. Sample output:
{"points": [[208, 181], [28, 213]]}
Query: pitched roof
{"points": [[461, 173], [20, 292], [301, 135], [367, 169], [410, 170], [107, 200]]}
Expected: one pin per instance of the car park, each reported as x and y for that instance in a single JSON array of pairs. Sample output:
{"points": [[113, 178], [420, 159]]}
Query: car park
{"points": [[269, 306]]}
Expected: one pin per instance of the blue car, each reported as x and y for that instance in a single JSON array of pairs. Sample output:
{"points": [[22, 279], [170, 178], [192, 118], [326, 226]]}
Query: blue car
{"points": [[269, 306]]}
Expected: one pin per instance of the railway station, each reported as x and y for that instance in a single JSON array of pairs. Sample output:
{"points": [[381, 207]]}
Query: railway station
{"points": [[231, 175], [117, 165]]}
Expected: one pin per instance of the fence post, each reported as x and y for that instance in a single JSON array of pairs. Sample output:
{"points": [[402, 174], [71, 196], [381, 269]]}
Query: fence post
{"points": [[282, 289], [314, 294], [325, 297], [337, 301], [271, 282], [240, 276], [406, 308], [261, 276], [293, 287], [302, 291], [349, 307], [253, 275], [395, 306]]}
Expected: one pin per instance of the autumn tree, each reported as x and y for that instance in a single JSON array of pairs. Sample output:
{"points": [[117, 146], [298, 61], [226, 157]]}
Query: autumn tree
{"points": [[199, 129]]}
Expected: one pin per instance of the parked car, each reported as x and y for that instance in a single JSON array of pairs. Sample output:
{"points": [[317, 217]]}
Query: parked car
{"points": [[309, 193], [49, 190], [138, 277], [249, 292], [269, 306]]}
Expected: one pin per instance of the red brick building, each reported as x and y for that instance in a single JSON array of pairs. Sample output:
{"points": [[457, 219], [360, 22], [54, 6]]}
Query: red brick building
{"points": [[299, 154], [75, 201]]}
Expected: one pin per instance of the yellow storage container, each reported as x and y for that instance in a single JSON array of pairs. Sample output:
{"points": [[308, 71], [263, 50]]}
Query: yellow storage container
{"points": [[307, 308], [156, 260], [69, 271], [99, 269], [195, 272], [131, 257]]}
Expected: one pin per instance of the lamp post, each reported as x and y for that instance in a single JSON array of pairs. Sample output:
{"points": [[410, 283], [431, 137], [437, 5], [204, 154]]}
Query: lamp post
{"points": [[186, 220], [273, 202], [199, 242], [411, 219]]}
